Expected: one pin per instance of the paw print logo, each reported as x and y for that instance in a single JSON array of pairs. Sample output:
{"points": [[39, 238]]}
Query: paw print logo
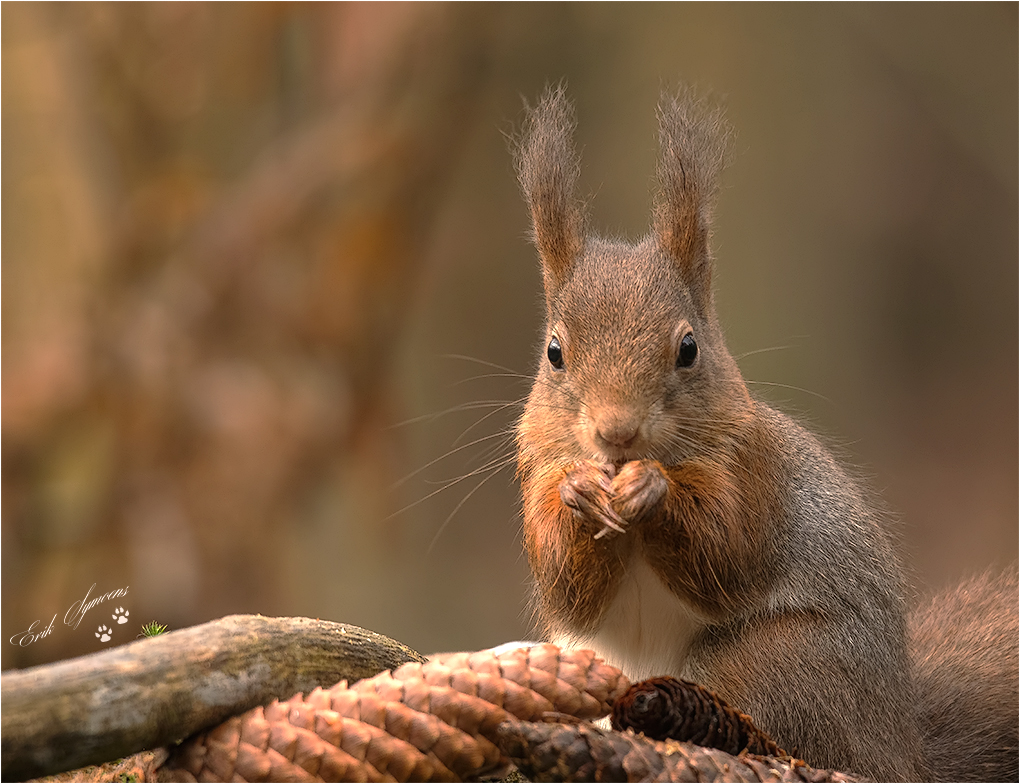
{"points": [[104, 634], [120, 615]]}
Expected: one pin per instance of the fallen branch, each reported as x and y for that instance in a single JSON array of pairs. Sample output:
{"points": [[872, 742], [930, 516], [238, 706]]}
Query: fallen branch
{"points": [[162, 689]]}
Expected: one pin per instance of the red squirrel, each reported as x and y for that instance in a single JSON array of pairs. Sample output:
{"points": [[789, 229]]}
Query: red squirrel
{"points": [[679, 526]]}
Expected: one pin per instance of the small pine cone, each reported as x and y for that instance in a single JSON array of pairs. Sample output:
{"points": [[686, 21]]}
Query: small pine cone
{"points": [[583, 752], [418, 723], [662, 708]]}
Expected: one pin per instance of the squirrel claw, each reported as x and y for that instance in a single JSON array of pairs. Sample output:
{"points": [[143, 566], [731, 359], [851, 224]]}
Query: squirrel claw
{"points": [[610, 523], [638, 490], [609, 527], [587, 490]]}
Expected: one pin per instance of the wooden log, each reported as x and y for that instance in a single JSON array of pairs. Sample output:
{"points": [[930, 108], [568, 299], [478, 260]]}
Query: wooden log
{"points": [[157, 691]]}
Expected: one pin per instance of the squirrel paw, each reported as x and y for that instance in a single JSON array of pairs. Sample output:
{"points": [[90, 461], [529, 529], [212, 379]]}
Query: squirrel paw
{"points": [[587, 489], [638, 489]]}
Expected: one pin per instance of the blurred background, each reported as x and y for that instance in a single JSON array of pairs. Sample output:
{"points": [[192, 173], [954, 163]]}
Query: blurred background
{"points": [[258, 258]]}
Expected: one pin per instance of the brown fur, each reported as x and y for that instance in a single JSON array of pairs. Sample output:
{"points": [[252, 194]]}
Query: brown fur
{"points": [[548, 168], [782, 568], [694, 142], [724, 518], [575, 571], [965, 645]]}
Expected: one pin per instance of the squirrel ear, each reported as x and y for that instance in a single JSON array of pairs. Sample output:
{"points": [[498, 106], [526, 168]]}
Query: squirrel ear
{"points": [[693, 149], [548, 167]]}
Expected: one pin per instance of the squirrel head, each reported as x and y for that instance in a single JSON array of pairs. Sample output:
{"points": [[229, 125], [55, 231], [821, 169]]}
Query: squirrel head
{"points": [[633, 364]]}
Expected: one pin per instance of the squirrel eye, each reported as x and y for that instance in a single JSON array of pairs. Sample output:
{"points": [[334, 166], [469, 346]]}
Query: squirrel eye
{"points": [[688, 351], [555, 353]]}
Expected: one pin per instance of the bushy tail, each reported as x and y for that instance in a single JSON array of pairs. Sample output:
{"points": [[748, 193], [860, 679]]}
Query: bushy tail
{"points": [[965, 648]]}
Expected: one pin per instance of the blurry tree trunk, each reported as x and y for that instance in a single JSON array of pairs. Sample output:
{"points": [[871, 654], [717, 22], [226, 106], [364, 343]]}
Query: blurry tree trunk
{"points": [[219, 340]]}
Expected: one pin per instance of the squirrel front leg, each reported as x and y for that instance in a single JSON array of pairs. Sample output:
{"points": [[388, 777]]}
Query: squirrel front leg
{"points": [[587, 488], [699, 532], [693, 526], [566, 506]]}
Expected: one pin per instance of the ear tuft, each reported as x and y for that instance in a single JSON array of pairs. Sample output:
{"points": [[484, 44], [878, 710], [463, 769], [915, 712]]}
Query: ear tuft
{"points": [[694, 145], [548, 167]]}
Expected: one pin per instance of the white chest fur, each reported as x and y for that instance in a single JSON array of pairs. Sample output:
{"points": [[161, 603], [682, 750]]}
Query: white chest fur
{"points": [[646, 631]]}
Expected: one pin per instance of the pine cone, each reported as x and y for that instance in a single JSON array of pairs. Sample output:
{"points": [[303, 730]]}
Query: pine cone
{"points": [[662, 708], [420, 722], [583, 752]]}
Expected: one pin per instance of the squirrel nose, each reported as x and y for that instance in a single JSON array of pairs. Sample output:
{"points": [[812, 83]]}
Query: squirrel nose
{"points": [[618, 431]]}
